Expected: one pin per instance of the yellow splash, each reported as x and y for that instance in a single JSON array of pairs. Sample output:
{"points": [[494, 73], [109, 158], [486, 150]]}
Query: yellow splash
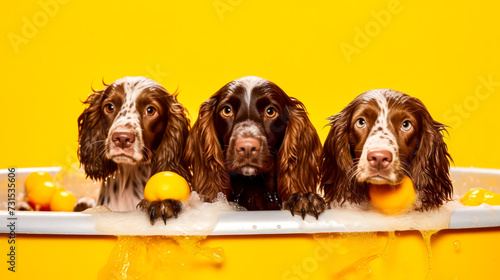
{"points": [[427, 234], [69, 166], [362, 255], [392, 237], [350, 253], [191, 244], [159, 257]]}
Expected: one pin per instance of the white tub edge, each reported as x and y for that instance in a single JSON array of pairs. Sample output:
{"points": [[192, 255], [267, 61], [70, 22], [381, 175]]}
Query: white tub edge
{"points": [[237, 223]]}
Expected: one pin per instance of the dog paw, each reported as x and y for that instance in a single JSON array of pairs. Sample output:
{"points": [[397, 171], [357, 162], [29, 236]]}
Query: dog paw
{"points": [[84, 203], [309, 203], [24, 206], [165, 209]]}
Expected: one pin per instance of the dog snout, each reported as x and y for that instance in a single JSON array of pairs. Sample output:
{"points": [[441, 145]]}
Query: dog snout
{"points": [[123, 139], [247, 146], [379, 159]]}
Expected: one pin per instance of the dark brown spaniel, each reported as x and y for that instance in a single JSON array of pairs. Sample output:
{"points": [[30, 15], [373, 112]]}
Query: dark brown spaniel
{"points": [[256, 145], [378, 138], [131, 130]]}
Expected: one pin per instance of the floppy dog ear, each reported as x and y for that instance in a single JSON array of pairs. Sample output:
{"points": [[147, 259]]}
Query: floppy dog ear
{"points": [[170, 153], [337, 161], [299, 154], [431, 165], [92, 130], [204, 154]]}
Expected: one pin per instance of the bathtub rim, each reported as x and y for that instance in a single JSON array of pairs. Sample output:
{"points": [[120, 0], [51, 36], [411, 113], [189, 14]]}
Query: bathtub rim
{"points": [[237, 223]]}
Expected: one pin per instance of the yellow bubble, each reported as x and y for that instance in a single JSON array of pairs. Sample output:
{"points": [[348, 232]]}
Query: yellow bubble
{"points": [[478, 196], [36, 179], [40, 195], [62, 201], [392, 199], [166, 185], [457, 245]]}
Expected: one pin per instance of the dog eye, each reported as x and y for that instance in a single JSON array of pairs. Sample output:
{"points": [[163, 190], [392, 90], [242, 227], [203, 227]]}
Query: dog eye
{"points": [[226, 112], [151, 111], [109, 108], [271, 112], [406, 126], [361, 123]]}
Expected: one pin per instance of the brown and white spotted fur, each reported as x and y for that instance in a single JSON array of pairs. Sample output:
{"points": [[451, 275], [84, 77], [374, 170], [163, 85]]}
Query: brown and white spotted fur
{"points": [[380, 137], [132, 129]]}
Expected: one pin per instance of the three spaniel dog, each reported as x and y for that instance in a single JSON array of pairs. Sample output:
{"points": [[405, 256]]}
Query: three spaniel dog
{"points": [[255, 144]]}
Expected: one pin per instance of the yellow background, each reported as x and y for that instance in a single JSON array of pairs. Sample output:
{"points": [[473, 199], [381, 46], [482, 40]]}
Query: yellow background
{"points": [[436, 51]]}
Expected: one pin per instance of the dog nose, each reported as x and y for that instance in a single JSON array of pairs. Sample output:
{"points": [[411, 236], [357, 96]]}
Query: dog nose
{"points": [[247, 146], [379, 159], [123, 139]]}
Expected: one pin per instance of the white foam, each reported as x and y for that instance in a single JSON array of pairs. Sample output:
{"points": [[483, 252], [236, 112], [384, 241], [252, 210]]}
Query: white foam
{"points": [[356, 219], [197, 218], [200, 218]]}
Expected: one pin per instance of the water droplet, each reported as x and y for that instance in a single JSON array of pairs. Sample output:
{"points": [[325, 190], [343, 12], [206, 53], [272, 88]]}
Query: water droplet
{"points": [[457, 245], [254, 227], [278, 226]]}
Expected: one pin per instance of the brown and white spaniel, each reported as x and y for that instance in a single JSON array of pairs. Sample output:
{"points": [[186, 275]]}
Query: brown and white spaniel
{"points": [[380, 137], [132, 129], [256, 145]]}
